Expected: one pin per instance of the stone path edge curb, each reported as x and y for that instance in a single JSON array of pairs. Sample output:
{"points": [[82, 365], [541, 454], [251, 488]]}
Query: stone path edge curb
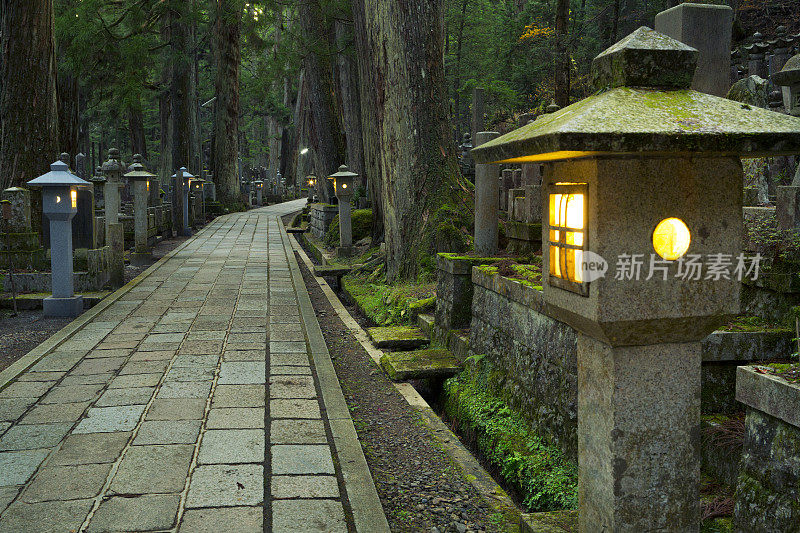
{"points": [[19, 367], [476, 474], [368, 515]]}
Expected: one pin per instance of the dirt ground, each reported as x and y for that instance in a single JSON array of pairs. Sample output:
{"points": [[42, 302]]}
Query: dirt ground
{"points": [[421, 488], [24, 332]]}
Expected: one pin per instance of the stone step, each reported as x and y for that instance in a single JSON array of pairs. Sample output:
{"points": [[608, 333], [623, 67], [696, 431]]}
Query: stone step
{"points": [[420, 364], [398, 338]]}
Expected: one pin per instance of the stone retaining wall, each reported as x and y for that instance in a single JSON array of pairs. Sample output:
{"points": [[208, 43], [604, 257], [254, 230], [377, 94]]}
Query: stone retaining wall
{"points": [[322, 216], [768, 488]]}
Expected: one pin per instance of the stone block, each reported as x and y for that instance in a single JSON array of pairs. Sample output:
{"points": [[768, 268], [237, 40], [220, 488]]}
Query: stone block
{"points": [[236, 418], [66, 483], [284, 487], [787, 207], [20, 209], [45, 517], [311, 516], [110, 419], [294, 408], [397, 338], [19, 466], [232, 446], [239, 519], [33, 436], [226, 485], [297, 432], [301, 459], [176, 409], [149, 512], [90, 448], [149, 469]]}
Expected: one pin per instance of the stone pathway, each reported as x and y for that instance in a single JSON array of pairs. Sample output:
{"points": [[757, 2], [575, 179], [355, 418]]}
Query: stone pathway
{"points": [[192, 403]]}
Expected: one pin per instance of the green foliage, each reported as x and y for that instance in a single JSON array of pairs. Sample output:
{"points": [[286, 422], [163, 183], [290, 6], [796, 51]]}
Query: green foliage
{"points": [[389, 305], [539, 472], [771, 242], [361, 220]]}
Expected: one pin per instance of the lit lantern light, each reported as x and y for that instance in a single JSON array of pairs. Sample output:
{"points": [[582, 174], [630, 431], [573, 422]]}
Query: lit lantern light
{"points": [[671, 239], [567, 234], [140, 178], [342, 185], [73, 194]]}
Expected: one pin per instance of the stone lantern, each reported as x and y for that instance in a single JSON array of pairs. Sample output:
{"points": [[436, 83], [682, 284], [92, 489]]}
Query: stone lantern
{"points": [[112, 170], [789, 80], [343, 188], [644, 178], [198, 189], [259, 192], [182, 178], [311, 181], [60, 204], [140, 178]]}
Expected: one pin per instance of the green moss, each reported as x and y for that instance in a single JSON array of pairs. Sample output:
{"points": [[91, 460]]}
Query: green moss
{"points": [[361, 221], [387, 305], [746, 323], [543, 477]]}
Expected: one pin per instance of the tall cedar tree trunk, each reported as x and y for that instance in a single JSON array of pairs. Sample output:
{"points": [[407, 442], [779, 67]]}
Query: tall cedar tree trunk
{"points": [[226, 111], [165, 109], [136, 130], [368, 94], [68, 115], [562, 63], [457, 73], [181, 94], [421, 180], [347, 73], [326, 139], [28, 102], [273, 121]]}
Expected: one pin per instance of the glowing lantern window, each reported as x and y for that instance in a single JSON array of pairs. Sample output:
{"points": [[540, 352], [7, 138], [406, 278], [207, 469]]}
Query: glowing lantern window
{"points": [[671, 238], [74, 196], [567, 236]]}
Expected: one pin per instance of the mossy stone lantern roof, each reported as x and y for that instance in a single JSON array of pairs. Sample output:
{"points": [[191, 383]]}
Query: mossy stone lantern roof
{"points": [[644, 106], [137, 170]]}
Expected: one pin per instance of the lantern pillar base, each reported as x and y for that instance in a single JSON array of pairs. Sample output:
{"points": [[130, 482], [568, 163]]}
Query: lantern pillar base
{"points": [[141, 258], [638, 436], [63, 307], [344, 251]]}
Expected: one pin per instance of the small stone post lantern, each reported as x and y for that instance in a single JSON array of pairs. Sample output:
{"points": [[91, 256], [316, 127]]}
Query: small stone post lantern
{"points": [[343, 188], [312, 182], [642, 215], [181, 179], [198, 188], [789, 81], [141, 194], [259, 193], [60, 204], [112, 170]]}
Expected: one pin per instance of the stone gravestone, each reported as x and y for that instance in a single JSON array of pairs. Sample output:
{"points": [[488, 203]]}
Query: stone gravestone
{"points": [[707, 28], [83, 222], [80, 166]]}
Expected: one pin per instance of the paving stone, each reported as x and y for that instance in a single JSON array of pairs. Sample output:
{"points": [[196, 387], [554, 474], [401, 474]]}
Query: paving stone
{"points": [[57, 362], [201, 347], [134, 381], [153, 469], [110, 419], [242, 373], [161, 355], [287, 335], [190, 373], [236, 418], [149, 512], [239, 396], [7, 495], [288, 359], [72, 393], [185, 389], [294, 408], [103, 353], [144, 367], [4, 426], [226, 485], [309, 516], [65, 412], [289, 370], [132, 396], [66, 483], [41, 376], [18, 467], [33, 436], [13, 408], [223, 520], [287, 347], [290, 431], [245, 355], [292, 387], [232, 446], [168, 432], [284, 487], [301, 459], [99, 366], [90, 448], [176, 409], [202, 361], [26, 389], [91, 379], [47, 517]]}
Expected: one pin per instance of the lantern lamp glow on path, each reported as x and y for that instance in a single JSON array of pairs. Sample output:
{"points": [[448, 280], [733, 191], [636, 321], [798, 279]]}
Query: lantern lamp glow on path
{"points": [[645, 169], [60, 204]]}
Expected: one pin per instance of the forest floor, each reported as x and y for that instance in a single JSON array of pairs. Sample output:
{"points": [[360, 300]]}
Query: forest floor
{"points": [[421, 488], [24, 332]]}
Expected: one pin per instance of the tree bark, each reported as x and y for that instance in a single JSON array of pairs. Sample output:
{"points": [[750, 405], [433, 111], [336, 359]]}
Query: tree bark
{"points": [[422, 186], [350, 104], [136, 130], [226, 117], [28, 103], [325, 136], [68, 115], [366, 45], [562, 63]]}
